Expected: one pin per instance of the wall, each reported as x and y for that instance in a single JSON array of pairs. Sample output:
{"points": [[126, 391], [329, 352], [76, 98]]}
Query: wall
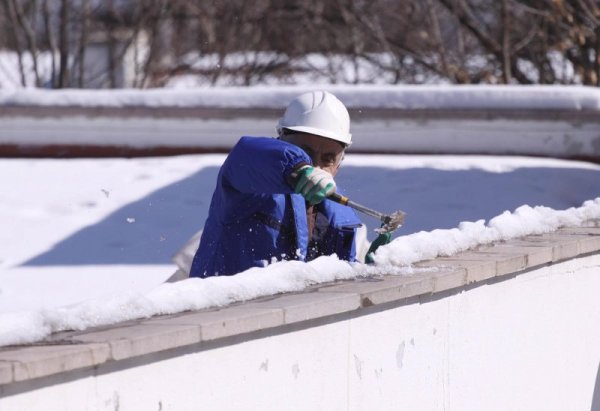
{"points": [[129, 53], [96, 131], [499, 328]]}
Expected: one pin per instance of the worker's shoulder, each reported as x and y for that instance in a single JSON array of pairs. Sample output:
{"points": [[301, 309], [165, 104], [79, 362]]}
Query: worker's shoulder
{"points": [[256, 140]]}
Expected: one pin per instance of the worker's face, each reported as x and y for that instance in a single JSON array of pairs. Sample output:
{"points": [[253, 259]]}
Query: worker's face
{"points": [[325, 153]]}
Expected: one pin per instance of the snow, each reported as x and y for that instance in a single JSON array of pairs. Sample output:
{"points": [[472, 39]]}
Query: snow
{"points": [[89, 242], [523, 221], [312, 68], [10, 77], [354, 96]]}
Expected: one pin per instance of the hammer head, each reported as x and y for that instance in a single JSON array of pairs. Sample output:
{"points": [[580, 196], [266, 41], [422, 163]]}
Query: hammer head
{"points": [[391, 222]]}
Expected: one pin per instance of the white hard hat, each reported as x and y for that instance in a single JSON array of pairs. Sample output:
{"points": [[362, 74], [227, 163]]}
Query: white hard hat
{"points": [[319, 113]]}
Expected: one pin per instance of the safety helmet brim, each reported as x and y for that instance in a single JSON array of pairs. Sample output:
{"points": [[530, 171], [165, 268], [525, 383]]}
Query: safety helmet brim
{"points": [[318, 132]]}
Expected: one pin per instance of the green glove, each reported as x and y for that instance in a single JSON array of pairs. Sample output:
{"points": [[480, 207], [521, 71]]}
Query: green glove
{"points": [[382, 239], [314, 184]]}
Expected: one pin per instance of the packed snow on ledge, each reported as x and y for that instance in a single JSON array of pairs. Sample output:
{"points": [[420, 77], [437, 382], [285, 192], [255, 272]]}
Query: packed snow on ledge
{"points": [[361, 96], [288, 276]]}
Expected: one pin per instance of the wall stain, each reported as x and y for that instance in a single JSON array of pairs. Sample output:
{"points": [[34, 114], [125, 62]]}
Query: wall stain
{"points": [[596, 145], [571, 145], [264, 366], [400, 355], [358, 365], [295, 370], [116, 401]]}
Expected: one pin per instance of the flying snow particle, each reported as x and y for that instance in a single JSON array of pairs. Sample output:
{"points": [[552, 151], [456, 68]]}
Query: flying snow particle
{"points": [[130, 220]]}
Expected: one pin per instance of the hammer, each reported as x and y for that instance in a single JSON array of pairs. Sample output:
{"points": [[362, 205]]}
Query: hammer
{"points": [[390, 222]]}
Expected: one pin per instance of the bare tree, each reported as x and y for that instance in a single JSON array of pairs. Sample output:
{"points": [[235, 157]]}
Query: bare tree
{"points": [[63, 44], [28, 30], [50, 41], [402, 41], [83, 41], [576, 32], [14, 33]]}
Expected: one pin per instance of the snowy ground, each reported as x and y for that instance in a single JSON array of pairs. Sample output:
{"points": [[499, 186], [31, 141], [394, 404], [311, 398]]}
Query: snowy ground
{"points": [[99, 230], [106, 225], [314, 68]]}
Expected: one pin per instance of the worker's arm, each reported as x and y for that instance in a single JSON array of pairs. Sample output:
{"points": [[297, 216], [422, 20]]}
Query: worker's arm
{"points": [[263, 165]]}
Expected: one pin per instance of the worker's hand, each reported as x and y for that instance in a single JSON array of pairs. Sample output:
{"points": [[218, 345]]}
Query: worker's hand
{"points": [[314, 183], [382, 239]]}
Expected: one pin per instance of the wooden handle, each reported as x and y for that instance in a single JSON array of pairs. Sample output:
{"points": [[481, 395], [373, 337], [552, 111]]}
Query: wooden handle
{"points": [[338, 198]]}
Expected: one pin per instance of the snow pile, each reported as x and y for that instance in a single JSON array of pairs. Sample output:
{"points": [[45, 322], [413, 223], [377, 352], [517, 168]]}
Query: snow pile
{"points": [[525, 220], [354, 96], [190, 294], [287, 276]]}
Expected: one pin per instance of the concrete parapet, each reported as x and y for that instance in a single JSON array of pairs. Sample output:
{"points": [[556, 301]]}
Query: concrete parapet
{"points": [[88, 348], [98, 131], [151, 340]]}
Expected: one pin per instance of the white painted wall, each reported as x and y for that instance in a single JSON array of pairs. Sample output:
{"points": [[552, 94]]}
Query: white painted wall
{"points": [[527, 343], [499, 136]]}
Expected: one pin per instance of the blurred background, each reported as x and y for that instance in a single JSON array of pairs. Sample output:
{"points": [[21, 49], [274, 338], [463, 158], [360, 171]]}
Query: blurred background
{"points": [[175, 43]]}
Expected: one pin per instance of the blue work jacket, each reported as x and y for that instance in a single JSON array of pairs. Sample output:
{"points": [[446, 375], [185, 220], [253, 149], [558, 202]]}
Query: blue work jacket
{"points": [[255, 216]]}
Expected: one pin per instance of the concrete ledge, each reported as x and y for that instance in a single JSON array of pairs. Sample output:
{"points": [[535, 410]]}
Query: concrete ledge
{"points": [[225, 322], [51, 131], [384, 290], [39, 361], [358, 114], [303, 307], [72, 351]]}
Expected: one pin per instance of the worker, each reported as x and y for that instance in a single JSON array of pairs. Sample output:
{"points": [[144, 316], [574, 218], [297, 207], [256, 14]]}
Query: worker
{"points": [[270, 202]]}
